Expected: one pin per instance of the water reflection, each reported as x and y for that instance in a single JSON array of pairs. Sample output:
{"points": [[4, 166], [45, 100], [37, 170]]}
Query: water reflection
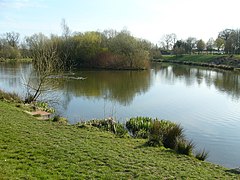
{"points": [[227, 82], [120, 86], [12, 76], [205, 101]]}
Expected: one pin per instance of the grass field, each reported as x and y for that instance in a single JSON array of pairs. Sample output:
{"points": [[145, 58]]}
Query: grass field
{"points": [[34, 149], [203, 58], [193, 58]]}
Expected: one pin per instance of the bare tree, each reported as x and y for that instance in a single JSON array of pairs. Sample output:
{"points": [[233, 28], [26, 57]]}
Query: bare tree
{"points": [[66, 33], [168, 40], [12, 38], [46, 63], [210, 45]]}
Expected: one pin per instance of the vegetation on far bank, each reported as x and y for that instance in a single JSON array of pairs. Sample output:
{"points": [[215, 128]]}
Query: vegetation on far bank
{"points": [[229, 62], [31, 148], [109, 49], [16, 60], [207, 58]]}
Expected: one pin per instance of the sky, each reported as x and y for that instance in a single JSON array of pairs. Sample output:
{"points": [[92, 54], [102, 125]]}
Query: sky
{"points": [[147, 19]]}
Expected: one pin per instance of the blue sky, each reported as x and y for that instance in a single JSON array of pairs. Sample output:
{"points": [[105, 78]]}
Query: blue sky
{"points": [[149, 19]]}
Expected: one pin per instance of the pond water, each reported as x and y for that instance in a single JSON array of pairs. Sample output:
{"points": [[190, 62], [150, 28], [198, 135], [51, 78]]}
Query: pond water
{"points": [[205, 101]]}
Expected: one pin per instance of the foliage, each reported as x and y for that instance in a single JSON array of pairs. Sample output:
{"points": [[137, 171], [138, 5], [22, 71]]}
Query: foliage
{"points": [[9, 52], [192, 43], [33, 149], [120, 130], [201, 45], [59, 120], [44, 107], [219, 43], [185, 147], [160, 133], [202, 155], [165, 133], [231, 40], [181, 47], [107, 125], [210, 45], [155, 134], [172, 133], [139, 126]]}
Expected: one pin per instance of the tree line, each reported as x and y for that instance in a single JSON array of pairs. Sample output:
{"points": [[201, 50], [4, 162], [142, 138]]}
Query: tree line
{"points": [[228, 42], [108, 49]]}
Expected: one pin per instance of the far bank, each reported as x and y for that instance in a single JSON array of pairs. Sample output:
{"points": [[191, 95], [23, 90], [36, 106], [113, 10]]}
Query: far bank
{"points": [[227, 62]]}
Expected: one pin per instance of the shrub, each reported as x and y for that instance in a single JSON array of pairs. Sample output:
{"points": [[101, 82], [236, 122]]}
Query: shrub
{"points": [[171, 134], [165, 133], [106, 125], [120, 130], [139, 126], [44, 107], [142, 133], [202, 155], [155, 134], [185, 147]]}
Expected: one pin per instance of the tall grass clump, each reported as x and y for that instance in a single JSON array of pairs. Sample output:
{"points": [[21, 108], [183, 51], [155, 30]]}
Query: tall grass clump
{"points": [[185, 147], [139, 126], [170, 135], [202, 155], [155, 134], [165, 133]]}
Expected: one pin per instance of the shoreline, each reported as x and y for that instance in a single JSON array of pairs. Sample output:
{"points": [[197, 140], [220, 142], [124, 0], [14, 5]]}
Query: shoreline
{"points": [[71, 143], [213, 61]]}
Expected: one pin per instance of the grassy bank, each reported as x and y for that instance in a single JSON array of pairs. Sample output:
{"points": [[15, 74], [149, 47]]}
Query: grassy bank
{"points": [[31, 148], [229, 62], [16, 60]]}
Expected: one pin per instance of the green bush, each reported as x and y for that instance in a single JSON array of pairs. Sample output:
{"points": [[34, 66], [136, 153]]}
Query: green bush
{"points": [[44, 107], [165, 133], [60, 120], [9, 52], [120, 130], [106, 125], [139, 126]]}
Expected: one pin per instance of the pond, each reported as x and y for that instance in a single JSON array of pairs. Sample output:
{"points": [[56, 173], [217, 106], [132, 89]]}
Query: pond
{"points": [[206, 102]]}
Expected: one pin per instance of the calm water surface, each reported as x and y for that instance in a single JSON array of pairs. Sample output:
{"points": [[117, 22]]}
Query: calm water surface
{"points": [[205, 101]]}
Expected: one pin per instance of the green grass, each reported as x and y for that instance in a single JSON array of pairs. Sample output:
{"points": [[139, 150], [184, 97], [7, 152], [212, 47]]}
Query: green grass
{"points": [[34, 149], [205, 58], [202, 58]]}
